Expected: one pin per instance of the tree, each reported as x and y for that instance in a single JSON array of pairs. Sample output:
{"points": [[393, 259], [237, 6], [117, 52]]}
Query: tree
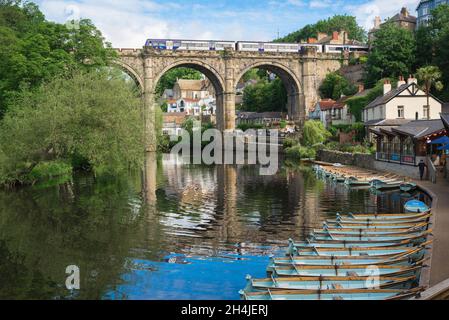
{"points": [[335, 85], [429, 76], [169, 79], [433, 45], [265, 96], [87, 115], [34, 50], [314, 133], [336, 23], [392, 55]]}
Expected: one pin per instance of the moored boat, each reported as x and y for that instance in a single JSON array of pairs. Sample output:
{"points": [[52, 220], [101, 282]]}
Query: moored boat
{"points": [[416, 206], [355, 294], [327, 283], [408, 186], [325, 271]]}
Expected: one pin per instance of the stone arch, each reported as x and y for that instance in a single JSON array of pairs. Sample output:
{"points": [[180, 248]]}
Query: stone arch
{"points": [[211, 73], [129, 70], [292, 83]]}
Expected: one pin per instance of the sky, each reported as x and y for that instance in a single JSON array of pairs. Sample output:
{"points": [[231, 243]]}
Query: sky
{"points": [[128, 23]]}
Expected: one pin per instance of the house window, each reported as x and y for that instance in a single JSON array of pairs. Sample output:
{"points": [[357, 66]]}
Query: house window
{"points": [[426, 113], [401, 112]]}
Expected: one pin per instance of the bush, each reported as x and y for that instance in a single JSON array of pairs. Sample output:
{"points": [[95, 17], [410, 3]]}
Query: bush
{"points": [[289, 142], [314, 132], [48, 170], [82, 118], [300, 152]]}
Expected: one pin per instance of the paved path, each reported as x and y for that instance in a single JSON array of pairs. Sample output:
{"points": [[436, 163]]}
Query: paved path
{"points": [[440, 253]]}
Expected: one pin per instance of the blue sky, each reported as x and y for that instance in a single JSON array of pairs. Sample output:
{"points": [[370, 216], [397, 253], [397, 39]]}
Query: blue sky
{"points": [[127, 23]]}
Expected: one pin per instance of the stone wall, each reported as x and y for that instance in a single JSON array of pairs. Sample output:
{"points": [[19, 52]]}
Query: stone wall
{"points": [[349, 159], [367, 161]]}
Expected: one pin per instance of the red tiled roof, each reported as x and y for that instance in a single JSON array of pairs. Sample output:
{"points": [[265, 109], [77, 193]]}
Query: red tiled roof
{"points": [[326, 104]]}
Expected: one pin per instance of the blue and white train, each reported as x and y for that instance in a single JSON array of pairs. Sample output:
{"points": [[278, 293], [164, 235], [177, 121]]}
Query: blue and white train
{"points": [[249, 46]]}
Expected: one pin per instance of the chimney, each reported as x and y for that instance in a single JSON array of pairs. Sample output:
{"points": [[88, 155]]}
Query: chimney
{"points": [[377, 22], [412, 79], [401, 81], [404, 12], [387, 86], [321, 36], [361, 88], [335, 35]]}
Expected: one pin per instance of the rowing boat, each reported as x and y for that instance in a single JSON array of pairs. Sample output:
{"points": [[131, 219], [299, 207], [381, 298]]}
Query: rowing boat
{"points": [[385, 184], [374, 222], [366, 252], [347, 260], [366, 232], [364, 229], [400, 226], [325, 271], [294, 248], [416, 206], [327, 283], [355, 294], [408, 186], [382, 216], [370, 238]]}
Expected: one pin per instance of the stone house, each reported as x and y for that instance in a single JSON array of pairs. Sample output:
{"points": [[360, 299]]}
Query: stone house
{"points": [[403, 19], [264, 118], [193, 89], [172, 123]]}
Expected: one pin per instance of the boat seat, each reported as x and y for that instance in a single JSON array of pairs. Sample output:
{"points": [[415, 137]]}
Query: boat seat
{"points": [[352, 274]]}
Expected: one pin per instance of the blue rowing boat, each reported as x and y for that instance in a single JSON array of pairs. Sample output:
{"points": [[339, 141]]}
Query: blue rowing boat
{"points": [[416, 206]]}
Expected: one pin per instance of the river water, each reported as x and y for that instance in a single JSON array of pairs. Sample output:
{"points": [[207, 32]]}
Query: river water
{"points": [[175, 232]]}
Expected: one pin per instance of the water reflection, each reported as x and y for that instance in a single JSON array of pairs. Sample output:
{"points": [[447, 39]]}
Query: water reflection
{"points": [[176, 231]]}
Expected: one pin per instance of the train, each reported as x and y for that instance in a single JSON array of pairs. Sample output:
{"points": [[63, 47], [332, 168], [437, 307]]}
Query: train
{"points": [[249, 46]]}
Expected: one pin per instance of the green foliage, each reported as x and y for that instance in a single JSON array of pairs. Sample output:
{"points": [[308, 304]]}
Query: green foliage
{"points": [[48, 170], [88, 115], [357, 104], [429, 77], [300, 152], [433, 46], [335, 85], [265, 96], [34, 50], [336, 23], [350, 148], [392, 55], [314, 133], [289, 142], [246, 126], [169, 79], [358, 128]]}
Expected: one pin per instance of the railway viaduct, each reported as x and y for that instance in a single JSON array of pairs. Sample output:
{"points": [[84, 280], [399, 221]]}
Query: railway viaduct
{"points": [[302, 73]]}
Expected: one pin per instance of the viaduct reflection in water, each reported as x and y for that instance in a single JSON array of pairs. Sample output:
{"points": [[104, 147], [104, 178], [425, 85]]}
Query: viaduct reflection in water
{"points": [[177, 231]]}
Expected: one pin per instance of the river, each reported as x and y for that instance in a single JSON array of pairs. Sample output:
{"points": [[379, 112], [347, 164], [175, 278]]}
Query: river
{"points": [[175, 232]]}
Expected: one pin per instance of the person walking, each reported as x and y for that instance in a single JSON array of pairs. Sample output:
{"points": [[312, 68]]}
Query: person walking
{"points": [[422, 166]]}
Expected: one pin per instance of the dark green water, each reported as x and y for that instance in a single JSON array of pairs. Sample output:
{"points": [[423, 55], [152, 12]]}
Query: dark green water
{"points": [[175, 232]]}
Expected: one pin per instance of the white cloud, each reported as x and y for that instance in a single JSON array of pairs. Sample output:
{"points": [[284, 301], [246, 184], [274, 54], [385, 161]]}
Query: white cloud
{"points": [[367, 11]]}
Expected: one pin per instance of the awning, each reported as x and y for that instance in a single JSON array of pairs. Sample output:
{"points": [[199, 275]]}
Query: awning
{"points": [[445, 147], [441, 140]]}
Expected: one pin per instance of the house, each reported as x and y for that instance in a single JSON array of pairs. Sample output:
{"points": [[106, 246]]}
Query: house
{"points": [[193, 89], [403, 20], [317, 112], [408, 144], [189, 106], [172, 105], [401, 105], [263, 118], [337, 37], [172, 123], [425, 8]]}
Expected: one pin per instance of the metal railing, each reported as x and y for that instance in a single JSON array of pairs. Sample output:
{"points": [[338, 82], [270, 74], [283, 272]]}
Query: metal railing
{"points": [[432, 170]]}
